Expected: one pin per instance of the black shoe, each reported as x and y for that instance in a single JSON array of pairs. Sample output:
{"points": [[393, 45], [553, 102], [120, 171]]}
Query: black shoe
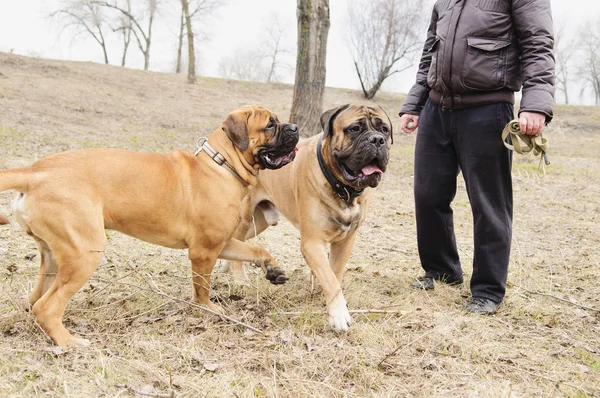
{"points": [[423, 282], [480, 305], [426, 282]]}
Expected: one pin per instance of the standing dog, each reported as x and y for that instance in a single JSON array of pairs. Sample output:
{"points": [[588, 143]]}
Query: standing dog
{"points": [[178, 200], [325, 193]]}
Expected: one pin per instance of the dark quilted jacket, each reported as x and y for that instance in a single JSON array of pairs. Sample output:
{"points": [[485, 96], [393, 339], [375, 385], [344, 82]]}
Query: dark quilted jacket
{"points": [[482, 51]]}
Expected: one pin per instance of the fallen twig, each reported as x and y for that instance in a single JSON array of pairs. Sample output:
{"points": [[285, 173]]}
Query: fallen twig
{"points": [[146, 394], [555, 297], [194, 305], [350, 311]]}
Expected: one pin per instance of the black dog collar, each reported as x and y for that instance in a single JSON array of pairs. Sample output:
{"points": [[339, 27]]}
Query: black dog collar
{"points": [[343, 191]]}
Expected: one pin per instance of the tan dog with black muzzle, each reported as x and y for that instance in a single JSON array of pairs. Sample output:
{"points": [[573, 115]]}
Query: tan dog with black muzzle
{"points": [[325, 193], [178, 200]]}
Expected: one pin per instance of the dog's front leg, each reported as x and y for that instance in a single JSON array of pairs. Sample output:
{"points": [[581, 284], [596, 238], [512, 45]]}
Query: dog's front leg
{"points": [[203, 262], [340, 254], [236, 250], [252, 223], [314, 251]]}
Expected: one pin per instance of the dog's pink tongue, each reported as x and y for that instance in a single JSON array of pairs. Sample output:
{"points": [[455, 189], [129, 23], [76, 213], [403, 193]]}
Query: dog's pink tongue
{"points": [[371, 169]]}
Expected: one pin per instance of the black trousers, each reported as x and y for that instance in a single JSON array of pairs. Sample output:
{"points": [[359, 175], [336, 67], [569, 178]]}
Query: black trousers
{"points": [[467, 140]]}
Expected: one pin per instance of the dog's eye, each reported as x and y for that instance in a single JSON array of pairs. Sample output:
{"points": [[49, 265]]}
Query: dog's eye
{"points": [[355, 129], [384, 128], [271, 124]]}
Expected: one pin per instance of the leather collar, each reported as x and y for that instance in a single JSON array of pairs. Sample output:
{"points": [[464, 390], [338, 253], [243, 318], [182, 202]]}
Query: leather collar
{"points": [[343, 191], [218, 158]]}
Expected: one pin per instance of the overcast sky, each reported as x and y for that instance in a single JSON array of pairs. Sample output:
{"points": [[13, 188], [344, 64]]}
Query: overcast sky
{"points": [[26, 29]]}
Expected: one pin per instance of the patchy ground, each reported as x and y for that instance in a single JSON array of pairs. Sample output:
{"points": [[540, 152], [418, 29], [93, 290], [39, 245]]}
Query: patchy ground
{"points": [[545, 340]]}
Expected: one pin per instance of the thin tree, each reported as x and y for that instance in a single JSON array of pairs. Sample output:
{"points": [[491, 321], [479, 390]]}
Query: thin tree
{"points": [[190, 39], [125, 27], [84, 17], [264, 61], [589, 64], [243, 64], [143, 36], [192, 10], [313, 28], [275, 50], [180, 40], [565, 51], [384, 37]]}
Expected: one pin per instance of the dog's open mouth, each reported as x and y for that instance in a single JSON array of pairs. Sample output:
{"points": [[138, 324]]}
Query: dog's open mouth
{"points": [[372, 168], [270, 159], [368, 175]]}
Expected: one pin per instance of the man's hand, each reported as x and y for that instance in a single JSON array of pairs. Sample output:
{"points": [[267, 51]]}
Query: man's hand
{"points": [[408, 123], [530, 123]]}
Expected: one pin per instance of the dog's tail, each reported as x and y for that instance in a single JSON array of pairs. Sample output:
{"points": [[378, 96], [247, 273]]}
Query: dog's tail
{"points": [[17, 179]]}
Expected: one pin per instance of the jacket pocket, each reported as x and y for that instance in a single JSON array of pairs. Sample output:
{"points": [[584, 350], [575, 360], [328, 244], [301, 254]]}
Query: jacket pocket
{"points": [[432, 51], [484, 63]]}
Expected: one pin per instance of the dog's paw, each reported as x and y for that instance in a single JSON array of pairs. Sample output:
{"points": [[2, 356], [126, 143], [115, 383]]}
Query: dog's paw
{"points": [[217, 309], [77, 342], [339, 316], [276, 275]]}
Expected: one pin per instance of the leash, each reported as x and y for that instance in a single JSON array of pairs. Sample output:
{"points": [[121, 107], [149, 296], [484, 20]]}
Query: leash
{"points": [[523, 143], [203, 146], [343, 191]]}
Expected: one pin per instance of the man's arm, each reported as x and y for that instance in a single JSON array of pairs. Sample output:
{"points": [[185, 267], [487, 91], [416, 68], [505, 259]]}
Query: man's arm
{"points": [[533, 24], [417, 96]]}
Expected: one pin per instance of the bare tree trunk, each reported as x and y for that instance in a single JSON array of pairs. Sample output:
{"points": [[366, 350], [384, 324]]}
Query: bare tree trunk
{"points": [[180, 41], [148, 42], [313, 28], [126, 41], [103, 44], [190, 40], [126, 34]]}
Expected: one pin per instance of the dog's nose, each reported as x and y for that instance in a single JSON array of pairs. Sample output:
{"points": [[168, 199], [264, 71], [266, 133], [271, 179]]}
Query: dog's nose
{"points": [[377, 140], [291, 128]]}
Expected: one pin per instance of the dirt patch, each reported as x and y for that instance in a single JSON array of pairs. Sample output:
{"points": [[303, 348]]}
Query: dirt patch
{"points": [[545, 340]]}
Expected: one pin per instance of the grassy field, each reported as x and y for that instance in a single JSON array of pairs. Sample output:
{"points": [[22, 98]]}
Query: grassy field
{"points": [[146, 341]]}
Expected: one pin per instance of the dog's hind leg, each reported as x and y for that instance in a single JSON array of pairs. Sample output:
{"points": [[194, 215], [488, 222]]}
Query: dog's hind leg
{"points": [[47, 274], [75, 267]]}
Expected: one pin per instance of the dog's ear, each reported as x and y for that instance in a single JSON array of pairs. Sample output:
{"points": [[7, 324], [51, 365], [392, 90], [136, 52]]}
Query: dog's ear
{"points": [[236, 128], [329, 116], [389, 121]]}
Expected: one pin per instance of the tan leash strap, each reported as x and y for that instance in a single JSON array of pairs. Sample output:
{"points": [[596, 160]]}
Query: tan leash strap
{"points": [[523, 143]]}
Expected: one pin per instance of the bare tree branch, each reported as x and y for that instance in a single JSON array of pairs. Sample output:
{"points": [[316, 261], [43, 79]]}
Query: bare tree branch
{"points": [[382, 34], [266, 61], [83, 17], [142, 36]]}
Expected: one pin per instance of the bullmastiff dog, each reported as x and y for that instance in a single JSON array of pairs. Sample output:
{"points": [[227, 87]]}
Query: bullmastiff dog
{"points": [[325, 194], [178, 200]]}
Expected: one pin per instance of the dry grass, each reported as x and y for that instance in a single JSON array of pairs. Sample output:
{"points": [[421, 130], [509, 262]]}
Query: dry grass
{"points": [[545, 340]]}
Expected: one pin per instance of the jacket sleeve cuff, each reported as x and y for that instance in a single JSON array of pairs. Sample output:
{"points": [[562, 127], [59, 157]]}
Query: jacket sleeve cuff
{"points": [[539, 101], [415, 100]]}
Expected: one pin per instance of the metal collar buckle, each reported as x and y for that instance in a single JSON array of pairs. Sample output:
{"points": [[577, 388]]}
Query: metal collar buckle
{"points": [[200, 145]]}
